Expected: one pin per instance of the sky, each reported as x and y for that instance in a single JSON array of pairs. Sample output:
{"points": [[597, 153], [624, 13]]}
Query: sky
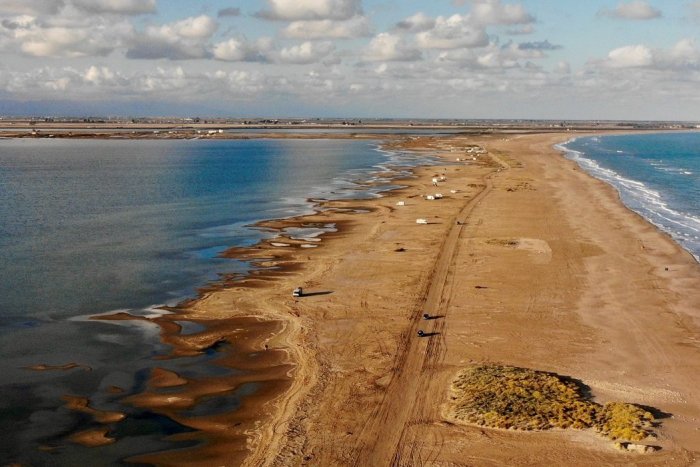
{"points": [[462, 59]]}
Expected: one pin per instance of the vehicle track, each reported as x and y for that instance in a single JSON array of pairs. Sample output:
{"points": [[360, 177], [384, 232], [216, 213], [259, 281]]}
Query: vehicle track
{"points": [[387, 437]]}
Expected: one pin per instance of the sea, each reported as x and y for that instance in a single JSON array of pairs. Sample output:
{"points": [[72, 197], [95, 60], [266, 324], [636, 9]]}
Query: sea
{"points": [[657, 175], [89, 227]]}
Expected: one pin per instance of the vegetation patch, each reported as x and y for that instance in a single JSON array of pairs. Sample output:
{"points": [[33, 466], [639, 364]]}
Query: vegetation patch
{"points": [[502, 242], [522, 399]]}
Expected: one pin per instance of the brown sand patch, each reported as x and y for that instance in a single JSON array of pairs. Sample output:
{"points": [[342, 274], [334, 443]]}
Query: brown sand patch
{"points": [[92, 438], [161, 378], [66, 367], [82, 404]]}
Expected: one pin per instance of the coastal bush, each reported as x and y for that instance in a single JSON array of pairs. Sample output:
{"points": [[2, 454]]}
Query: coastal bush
{"points": [[523, 399]]}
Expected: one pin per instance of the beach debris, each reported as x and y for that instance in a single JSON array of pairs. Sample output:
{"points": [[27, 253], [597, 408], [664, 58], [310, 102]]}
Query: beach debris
{"points": [[421, 221], [638, 448], [454, 191], [280, 244], [421, 333], [426, 316], [438, 196], [401, 203], [430, 198], [298, 292], [442, 178]]}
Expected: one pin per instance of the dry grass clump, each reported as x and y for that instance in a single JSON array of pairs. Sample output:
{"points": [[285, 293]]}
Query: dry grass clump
{"points": [[518, 398], [502, 242]]}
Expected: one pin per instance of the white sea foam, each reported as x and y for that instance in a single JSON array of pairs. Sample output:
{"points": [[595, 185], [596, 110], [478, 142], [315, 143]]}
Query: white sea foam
{"points": [[648, 202]]}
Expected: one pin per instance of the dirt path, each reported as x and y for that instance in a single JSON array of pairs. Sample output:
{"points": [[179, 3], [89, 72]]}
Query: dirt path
{"points": [[407, 401]]}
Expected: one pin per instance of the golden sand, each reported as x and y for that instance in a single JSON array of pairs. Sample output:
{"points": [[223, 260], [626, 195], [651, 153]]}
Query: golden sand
{"points": [[531, 263]]}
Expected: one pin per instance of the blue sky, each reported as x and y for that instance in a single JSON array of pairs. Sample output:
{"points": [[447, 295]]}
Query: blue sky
{"points": [[599, 59]]}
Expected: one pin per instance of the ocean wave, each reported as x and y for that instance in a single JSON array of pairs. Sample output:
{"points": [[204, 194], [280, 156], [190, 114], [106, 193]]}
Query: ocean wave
{"points": [[684, 227]]}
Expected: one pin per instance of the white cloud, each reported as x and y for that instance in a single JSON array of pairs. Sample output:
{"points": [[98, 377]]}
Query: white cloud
{"points": [[30, 7], [682, 56], [388, 47], [241, 50], [563, 67], [358, 26], [456, 31], [416, 23], [232, 50], [300, 10], [494, 56], [33, 37], [124, 7], [306, 53], [185, 39], [634, 10], [493, 12], [59, 42], [99, 75], [630, 56], [199, 27], [456, 62]]}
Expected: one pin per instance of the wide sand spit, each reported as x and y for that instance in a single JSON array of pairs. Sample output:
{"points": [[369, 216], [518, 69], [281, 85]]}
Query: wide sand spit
{"points": [[525, 262]]}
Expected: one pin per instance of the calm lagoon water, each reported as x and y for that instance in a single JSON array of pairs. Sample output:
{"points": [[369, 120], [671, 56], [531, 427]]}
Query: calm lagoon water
{"points": [[657, 175], [89, 227]]}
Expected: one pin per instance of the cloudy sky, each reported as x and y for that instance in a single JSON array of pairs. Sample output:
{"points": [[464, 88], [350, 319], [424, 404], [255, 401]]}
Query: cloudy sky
{"points": [[593, 59]]}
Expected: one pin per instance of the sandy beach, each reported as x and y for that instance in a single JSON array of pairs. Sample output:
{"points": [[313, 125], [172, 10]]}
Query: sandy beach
{"points": [[527, 261]]}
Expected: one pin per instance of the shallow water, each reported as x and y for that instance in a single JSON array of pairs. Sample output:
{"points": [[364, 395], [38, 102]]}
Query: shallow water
{"points": [[91, 227]]}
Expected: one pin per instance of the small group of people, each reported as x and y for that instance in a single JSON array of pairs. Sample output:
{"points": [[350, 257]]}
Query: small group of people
{"points": [[426, 317]]}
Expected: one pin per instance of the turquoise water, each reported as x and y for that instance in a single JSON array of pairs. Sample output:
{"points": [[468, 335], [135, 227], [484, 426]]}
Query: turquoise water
{"points": [[90, 227], [657, 175]]}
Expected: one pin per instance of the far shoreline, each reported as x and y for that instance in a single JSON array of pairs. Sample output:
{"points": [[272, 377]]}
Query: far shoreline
{"points": [[180, 130]]}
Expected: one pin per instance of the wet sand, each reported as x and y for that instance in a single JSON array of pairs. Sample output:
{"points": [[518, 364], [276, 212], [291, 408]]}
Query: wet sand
{"points": [[531, 263]]}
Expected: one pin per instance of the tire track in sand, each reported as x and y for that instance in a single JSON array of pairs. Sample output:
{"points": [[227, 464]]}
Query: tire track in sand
{"points": [[386, 437]]}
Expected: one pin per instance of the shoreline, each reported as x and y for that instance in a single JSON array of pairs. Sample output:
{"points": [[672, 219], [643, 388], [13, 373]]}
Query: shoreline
{"points": [[276, 261], [301, 372], [566, 152]]}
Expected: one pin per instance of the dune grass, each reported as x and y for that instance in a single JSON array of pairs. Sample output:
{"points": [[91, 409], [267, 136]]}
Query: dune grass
{"points": [[523, 399]]}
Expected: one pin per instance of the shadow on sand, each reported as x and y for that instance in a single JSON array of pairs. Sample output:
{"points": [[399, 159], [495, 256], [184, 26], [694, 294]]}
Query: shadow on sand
{"points": [[430, 334], [313, 294]]}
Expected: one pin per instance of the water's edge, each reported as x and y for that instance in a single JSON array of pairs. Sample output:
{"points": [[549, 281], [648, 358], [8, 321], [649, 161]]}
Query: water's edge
{"points": [[617, 181]]}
